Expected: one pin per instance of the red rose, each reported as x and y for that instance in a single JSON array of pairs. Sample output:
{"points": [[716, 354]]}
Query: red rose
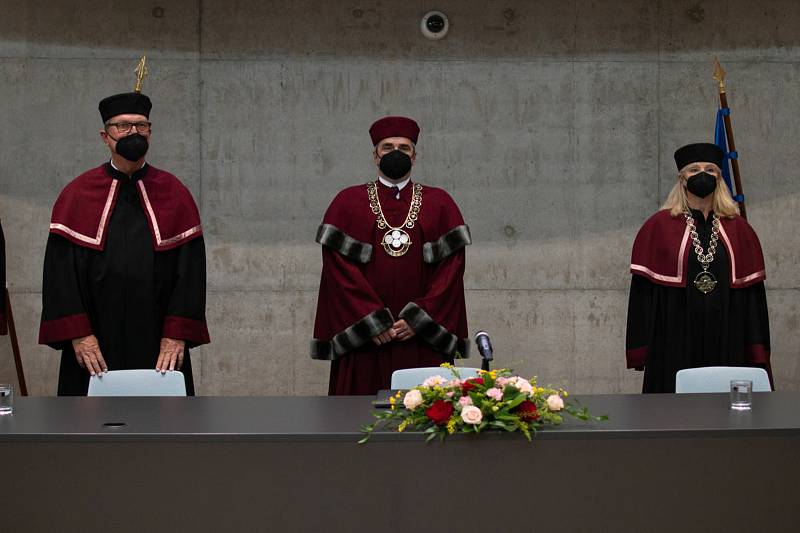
{"points": [[527, 411], [439, 412], [470, 384]]}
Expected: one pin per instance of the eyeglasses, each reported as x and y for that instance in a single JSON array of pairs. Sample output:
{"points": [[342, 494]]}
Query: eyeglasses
{"points": [[125, 127]]}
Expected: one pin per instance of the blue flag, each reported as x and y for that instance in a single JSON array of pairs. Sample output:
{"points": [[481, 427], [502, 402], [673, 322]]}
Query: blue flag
{"points": [[721, 140]]}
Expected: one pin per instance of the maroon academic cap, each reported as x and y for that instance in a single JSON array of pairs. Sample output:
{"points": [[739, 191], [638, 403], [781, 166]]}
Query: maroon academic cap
{"points": [[386, 127], [699, 152], [125, 104]]}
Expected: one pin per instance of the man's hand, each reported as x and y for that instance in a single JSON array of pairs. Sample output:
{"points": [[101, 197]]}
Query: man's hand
{"points": [[386, 336], [87, 352], [170, 357], [402, 330]]}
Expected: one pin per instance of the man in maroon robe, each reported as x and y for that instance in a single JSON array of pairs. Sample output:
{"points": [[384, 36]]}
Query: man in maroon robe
{"points": [[124, 270], [392, 288]]}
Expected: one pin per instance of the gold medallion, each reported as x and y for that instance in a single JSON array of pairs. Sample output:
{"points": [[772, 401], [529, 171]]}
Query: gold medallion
{"points": [[705, 282]]}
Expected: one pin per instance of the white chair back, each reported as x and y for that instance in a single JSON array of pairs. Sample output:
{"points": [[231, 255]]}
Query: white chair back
{"points": [[408, 378], [718, 378], [140, 382]]}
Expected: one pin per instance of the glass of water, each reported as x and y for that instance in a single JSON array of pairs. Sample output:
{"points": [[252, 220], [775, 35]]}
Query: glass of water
{"points": [[741, 394], [6, 399]]}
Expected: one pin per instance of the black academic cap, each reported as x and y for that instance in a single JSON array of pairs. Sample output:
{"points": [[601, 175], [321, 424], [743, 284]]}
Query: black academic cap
{"points": [[694, 153], [125, 104]]}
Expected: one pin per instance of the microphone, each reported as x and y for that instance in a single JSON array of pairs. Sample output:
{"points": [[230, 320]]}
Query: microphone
{"points": [[484, 345]]}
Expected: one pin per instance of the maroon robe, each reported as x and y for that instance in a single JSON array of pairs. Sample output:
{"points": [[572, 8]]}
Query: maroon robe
{"points": [[662, 248], [364, 290], [672, 325], [83, 210]]}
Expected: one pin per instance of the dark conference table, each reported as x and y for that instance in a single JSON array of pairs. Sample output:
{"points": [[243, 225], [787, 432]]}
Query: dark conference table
{"points": [[661, 463]]}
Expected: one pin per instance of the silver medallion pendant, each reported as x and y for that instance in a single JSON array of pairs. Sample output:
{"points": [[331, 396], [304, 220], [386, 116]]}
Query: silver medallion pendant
{"points": [[396, 242], [705, 282]]}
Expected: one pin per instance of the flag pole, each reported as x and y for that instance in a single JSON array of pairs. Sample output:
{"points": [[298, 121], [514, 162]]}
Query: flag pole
{"points": [[719, 76], [12, 332]]}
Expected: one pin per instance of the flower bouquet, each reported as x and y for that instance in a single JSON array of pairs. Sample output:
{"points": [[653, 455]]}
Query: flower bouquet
{"points": [[496, 400]]}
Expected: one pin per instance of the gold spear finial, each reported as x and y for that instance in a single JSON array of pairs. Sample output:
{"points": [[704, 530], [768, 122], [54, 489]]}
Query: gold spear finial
{"points": [[719, 75], [141, 72]]}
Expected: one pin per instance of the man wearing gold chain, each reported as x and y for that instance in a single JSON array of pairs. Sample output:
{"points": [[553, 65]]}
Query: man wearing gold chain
{"points": [[392, 291], [697, 291]]}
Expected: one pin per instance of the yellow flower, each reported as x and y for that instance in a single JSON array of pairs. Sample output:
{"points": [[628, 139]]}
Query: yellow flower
{"points": [[446, 365], [451, 425], [402, 426], [392, 400]]}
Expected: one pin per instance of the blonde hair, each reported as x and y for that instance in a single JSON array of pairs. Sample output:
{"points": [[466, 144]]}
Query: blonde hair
{"points": [[722, 204]]}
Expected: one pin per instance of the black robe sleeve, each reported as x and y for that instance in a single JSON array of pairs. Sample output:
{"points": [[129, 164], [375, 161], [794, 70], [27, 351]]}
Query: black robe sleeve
{"points": [[185, 316], [64, 315], [639, 333], [755, 323]]}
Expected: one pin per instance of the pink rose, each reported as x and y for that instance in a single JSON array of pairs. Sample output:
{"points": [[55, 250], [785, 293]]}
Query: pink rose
{"points": [[471, 415], [501, 381], [450, 394], [412, 399], [555, 402], [465, 400], [495, 394]]}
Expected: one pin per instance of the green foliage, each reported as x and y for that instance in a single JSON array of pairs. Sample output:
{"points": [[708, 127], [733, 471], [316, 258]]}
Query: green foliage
{"points": [[498, 415]]}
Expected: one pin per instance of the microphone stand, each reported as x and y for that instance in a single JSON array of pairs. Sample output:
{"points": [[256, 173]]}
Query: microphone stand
{"points": [[484, 348], [12, 331]]}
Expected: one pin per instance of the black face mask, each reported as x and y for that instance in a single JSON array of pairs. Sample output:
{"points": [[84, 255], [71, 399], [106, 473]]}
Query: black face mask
{"points": [[701, 184], [133, 147], [395, 164]]}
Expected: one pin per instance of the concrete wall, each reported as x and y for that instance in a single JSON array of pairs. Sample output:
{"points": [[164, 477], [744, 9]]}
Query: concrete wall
{"points": [[552, 123]]}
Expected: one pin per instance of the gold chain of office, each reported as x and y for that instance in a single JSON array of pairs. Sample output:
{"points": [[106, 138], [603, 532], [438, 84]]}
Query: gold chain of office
{"points": [[705, 280], [396, 241]]}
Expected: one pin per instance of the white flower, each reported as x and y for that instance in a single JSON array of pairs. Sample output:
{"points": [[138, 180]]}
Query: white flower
{"points": [[522, 384], [412, 399], [471, 415], [434, 381], [555, 402]]}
